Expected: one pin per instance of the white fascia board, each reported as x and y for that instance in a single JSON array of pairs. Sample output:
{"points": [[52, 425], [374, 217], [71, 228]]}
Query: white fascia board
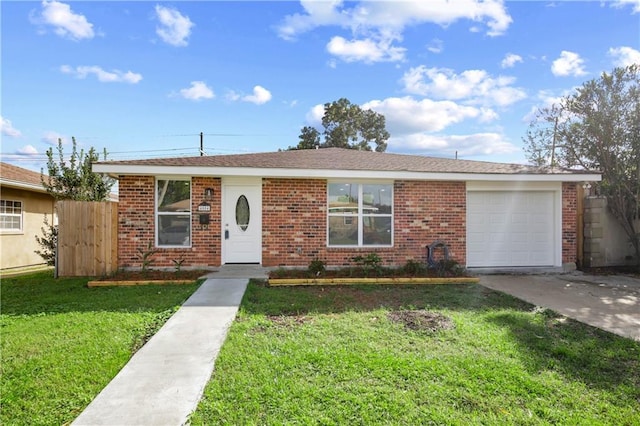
{"points": [[141, 170], [22, 185], [482, 186]]}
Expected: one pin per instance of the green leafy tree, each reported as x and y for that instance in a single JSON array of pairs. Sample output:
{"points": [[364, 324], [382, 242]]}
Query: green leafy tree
{"points": [[598, 127], [346, 126], [74, 179], [70, 180]]}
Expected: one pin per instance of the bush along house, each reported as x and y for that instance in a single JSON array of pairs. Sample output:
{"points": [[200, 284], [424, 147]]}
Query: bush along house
{"points": [[291, 207]]}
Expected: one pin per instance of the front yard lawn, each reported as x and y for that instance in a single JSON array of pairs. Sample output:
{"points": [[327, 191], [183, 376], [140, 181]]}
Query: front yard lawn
{"points": [[450, 354], [63, 342]]}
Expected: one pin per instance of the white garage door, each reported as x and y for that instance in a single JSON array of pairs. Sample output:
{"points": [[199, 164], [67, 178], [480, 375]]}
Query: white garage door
{"points": [[508, 228]]}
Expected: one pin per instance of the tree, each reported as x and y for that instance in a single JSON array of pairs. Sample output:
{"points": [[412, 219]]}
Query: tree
{"points": [[346, 126], [598, 127], [48, 242], [74, 180]]}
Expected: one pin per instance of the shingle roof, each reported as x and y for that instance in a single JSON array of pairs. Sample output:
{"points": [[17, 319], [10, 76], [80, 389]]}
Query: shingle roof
{"points": [[345, 159], [10, 174]]}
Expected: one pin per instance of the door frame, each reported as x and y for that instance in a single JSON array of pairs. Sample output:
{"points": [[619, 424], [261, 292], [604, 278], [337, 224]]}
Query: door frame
{"points": [[256, 183]]}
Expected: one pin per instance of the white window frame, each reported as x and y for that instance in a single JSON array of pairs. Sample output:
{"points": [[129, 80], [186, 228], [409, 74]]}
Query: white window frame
{"points": [[360, 215], [157, 214], [19, 215]]}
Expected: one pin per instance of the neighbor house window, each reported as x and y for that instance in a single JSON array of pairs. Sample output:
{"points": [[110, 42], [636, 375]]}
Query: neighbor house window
{"points": [[360, 214], [173, 213], [10, 215]]}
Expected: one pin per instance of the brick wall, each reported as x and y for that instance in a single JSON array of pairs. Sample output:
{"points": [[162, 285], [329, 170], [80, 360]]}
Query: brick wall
{"points": [[136, 225], [294, 222], [569, 223]]}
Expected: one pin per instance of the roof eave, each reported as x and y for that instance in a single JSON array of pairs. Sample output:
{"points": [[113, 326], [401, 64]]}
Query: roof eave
{"points": [[116, 170], [22, 185]]}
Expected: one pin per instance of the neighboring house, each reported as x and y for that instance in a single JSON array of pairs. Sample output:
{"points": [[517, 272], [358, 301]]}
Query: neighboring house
{"points": [[23, 205], [291, 207]]}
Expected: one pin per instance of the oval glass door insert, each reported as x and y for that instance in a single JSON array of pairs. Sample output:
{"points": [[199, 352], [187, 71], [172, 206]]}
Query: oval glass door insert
{"points": [[242, 212]]}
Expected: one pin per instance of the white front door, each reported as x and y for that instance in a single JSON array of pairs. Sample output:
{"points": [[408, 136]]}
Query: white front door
{"points": [[242, 222]]}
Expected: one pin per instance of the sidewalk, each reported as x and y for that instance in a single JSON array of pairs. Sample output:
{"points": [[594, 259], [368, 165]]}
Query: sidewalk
{"points": [[163, 382]]}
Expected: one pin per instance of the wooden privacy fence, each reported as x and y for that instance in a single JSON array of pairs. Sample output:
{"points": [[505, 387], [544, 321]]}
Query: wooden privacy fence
{"points": [[87, 238]]}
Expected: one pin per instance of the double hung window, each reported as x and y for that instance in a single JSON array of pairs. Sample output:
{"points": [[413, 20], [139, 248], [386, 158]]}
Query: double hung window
{"points": [[10, 215], [173, 213], [360, 214]]}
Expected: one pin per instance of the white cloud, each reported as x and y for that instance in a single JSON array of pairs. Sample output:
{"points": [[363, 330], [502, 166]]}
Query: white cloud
{"points": [[407, 115], [624, 56], [260, 96], [380, 16], [463, 145], [635, 4], [314, 116], [174, 27], [472, 86], [51, 138], [375, 25], [7, 129], [568, 64], [198, 90], [436, 46], [366, 50], [510, 60], [64, 21], [113, 76], [27, 150]]}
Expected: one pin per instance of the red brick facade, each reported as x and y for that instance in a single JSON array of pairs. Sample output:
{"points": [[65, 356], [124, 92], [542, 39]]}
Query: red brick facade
{"points": [[294, 222], [136, 225], [569, 222]]}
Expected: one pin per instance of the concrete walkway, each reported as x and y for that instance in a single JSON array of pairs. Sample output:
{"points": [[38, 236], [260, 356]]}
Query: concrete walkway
{"points": [[163, 382], [610, 302]]}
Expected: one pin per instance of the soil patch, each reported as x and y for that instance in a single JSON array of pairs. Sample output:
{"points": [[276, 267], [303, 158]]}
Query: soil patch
{"points": [[421, 320], [155, 275], [633, 271], [360, 272]]}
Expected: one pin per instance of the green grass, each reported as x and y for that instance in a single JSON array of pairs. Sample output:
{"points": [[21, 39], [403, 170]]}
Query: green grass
{"points": [[330, 355], [63, 342]]}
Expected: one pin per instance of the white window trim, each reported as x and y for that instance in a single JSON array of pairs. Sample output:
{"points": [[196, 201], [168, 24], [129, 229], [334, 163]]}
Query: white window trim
{"points": [[360, 215], [158, 214], [21, 216]]}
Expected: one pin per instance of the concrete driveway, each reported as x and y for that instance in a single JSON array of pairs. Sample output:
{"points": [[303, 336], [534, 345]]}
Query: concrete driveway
{"points": [[610, 302]]}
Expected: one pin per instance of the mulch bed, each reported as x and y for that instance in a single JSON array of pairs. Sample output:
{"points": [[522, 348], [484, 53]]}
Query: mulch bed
{"points": [[155, 275], [357, 272]]}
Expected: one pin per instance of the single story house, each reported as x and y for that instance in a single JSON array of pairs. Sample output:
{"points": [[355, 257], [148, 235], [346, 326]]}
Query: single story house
{"points": [[288, 208], [23, 205]]}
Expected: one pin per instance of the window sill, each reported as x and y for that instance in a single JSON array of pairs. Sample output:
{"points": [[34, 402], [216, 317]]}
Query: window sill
{"points": [[11, 232]]}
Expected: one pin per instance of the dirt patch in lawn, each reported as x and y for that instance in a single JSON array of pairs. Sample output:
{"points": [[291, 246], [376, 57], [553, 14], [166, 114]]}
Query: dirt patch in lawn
{"points": [[421, 320]]}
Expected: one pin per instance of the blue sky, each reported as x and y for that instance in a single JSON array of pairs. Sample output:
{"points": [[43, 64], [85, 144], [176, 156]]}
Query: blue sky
{"points": [[143, 79]]}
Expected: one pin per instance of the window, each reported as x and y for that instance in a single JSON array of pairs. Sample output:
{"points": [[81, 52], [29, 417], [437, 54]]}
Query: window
{"points": [[173, 213], [360, 214], [10, 215]]}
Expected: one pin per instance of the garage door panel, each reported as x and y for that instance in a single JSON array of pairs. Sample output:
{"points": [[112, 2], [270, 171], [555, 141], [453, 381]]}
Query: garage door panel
{"points": [[508, 228]]}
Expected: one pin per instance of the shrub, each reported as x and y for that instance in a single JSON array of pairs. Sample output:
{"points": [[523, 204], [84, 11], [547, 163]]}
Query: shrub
{"points": [[414, 268], [145, 257], [48, 242], [449, 267], [317, 268], [369, 263]]}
